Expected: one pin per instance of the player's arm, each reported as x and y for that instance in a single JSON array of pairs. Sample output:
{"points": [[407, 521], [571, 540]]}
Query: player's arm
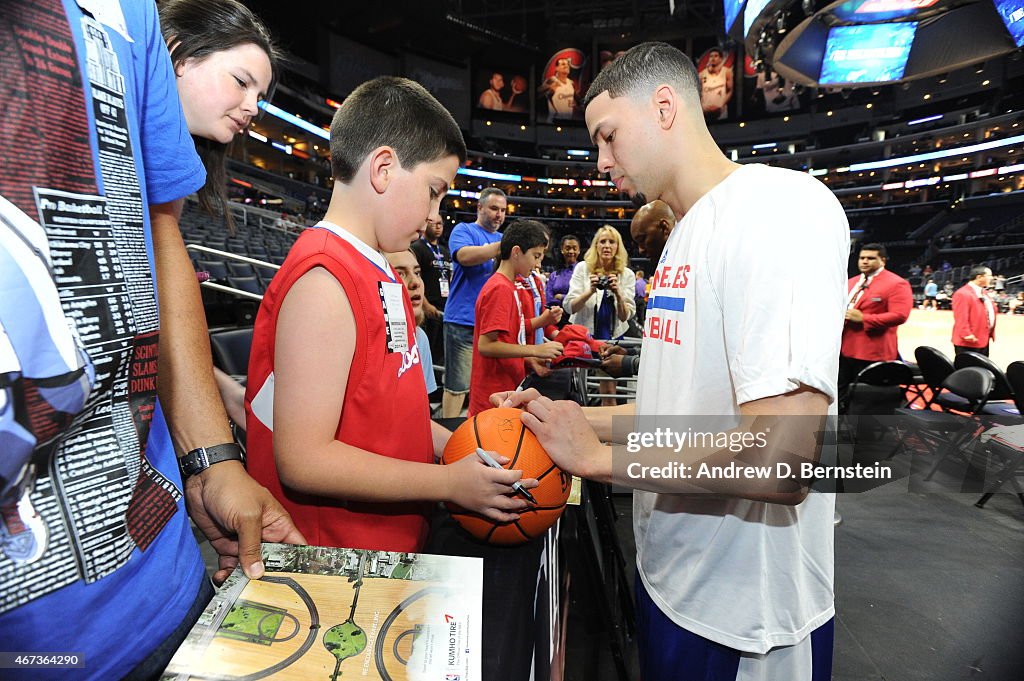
{"points": [[468, 256], [188, 392], [489, 346], [610, 424], [728, 84], [309, 392], [792, 423]]}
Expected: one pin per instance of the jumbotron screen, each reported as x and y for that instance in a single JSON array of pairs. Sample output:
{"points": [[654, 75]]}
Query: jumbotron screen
{"points": [[879, 10], [1012, 14], [732, 10], [874, 53]]}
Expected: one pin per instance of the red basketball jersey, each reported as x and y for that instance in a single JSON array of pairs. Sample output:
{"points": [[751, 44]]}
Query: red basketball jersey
{"points": [[385, 410]]}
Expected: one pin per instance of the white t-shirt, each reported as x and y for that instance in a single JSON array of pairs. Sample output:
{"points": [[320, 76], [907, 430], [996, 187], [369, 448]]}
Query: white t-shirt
{"points": [[765, 294]]}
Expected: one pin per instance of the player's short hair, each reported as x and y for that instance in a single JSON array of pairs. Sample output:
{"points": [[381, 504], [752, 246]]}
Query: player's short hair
{"points": [[526, 234], [489, 192], [640, 69], [880, 248], [393, 112]]}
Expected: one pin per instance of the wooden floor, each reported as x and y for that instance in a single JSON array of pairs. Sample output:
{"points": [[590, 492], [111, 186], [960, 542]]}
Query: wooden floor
{"points": [[935, 328]]}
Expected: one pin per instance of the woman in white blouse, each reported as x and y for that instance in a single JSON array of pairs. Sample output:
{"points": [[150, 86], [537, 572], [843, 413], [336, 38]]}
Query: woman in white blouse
{"points": [[601, 292]]}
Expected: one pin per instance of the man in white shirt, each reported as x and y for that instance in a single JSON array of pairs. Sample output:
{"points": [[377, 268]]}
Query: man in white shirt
{"points": [[736, 584]]}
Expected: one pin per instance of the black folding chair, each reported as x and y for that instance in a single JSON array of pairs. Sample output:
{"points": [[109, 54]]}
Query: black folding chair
{"points": [[1011, 452], [1000, 402], [946, 433], [935, 368]]}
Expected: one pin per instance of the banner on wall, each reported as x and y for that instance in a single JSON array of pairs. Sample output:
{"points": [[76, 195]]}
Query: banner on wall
{"points": [[501, 89], [715, 73], [563, 83], [767, 92]]}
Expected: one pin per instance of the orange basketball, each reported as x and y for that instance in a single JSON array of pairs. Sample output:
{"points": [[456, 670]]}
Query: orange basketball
{"points": [[501, 431]]}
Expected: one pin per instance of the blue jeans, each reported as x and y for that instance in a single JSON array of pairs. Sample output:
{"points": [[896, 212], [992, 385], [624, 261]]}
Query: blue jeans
{"points": [[458, 357]]}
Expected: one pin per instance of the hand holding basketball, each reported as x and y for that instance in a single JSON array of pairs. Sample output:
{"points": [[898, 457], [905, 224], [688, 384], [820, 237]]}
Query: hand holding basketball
{"points": [[477, 487], [562, 429]]}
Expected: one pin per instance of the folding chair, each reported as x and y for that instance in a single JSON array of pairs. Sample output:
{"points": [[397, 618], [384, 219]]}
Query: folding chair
{"points": [[948, 433], [1007, 443], [935, 368], [1000, 402]]}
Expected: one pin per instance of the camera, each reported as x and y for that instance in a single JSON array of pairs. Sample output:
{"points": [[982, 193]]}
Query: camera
{"points": [[602, 282]]}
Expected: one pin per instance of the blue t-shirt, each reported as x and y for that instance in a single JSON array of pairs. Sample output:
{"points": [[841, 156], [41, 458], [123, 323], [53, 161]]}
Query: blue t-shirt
{"points": [[931, 289], [97, 556], [426, 359], [467, 282]]}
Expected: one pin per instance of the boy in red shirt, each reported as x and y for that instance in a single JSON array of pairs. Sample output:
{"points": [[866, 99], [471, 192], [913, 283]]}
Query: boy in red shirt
{"points": [[500, 352], [338, 422]]}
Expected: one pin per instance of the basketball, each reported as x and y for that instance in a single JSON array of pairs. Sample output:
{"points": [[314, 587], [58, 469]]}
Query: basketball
{"points": [[501, 431]]}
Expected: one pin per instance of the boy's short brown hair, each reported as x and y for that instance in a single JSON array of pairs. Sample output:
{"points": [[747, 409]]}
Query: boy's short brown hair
{"points": [[394, 112]]}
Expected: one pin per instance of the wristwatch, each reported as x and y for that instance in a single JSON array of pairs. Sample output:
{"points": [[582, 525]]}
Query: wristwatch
{"points": [[198, 460]]}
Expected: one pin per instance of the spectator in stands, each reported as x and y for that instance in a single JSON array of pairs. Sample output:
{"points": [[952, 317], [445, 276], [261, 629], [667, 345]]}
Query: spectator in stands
{"points": [[436, 266], [408, 269], [558, 282], [501, 355], [473, 245], [878, 302], [974, 314], [99, 449], [758, 334], [915, 270], [337, 412], [640, 296], [931, 291], [927, 271], [999, 283], [650, 227], [601, 292]]}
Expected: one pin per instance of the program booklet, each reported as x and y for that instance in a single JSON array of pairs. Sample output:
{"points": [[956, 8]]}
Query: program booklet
{"points": [[336, 614]]}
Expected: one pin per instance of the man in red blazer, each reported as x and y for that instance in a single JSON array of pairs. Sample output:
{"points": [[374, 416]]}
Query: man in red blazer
{"points": [[974, 314], [878, 302]]}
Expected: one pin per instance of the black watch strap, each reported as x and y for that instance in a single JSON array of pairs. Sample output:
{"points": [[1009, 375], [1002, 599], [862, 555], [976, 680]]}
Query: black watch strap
{"points": [[198, 460]]}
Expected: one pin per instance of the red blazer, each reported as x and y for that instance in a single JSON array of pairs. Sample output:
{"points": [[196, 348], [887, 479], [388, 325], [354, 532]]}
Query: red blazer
{"points": [[885, 303], [970, 317]]}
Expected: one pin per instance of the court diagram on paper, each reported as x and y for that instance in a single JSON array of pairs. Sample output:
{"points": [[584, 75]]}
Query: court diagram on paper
{"points": [[333, 614]]}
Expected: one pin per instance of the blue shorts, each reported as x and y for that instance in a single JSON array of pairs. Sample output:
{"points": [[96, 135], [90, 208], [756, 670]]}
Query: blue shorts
{"points": [[670, 653], [458, 357]]}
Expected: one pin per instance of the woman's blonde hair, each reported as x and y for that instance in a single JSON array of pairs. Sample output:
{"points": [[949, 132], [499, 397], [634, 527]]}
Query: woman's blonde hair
{"points": [[593, 259]]}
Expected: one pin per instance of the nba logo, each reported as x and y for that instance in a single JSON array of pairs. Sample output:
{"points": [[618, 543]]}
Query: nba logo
{"points": [[451, 677]]}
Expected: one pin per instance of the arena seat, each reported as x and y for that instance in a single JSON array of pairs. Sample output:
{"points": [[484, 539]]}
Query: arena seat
{"points": [[231, 349]]}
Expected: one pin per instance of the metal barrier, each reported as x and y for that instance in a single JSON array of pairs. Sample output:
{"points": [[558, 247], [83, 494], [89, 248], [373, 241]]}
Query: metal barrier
{"points": [[213, 286]]}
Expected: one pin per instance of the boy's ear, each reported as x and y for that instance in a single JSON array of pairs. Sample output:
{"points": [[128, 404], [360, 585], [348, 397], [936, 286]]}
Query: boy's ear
{"points": [[382, 165]]}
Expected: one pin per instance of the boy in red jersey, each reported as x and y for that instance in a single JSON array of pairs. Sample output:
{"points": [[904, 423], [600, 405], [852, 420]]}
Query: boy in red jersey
{"points": [[501, 354], [339, 425]]}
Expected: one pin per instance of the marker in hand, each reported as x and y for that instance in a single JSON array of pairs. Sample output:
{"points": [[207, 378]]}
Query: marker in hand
{"points": [[489, 460]]}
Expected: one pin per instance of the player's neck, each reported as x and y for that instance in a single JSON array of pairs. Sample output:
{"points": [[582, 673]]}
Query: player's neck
{"points": [[507, 268], [348, 211]]}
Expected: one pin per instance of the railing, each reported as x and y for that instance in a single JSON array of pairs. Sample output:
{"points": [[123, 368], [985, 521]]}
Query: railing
{"points": [[213, 286]]}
